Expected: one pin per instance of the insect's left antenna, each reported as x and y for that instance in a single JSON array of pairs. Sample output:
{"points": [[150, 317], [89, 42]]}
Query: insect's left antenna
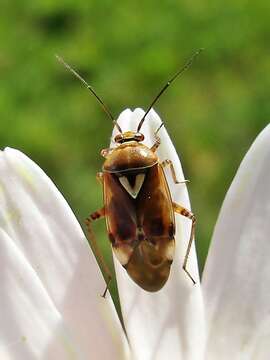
{"points": [[104, 107], [179, 72]]}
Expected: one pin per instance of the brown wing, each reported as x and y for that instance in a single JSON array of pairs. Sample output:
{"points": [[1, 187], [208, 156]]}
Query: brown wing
{"points": [[120, 212], [154, 207], [151, 260], [141, 229]]}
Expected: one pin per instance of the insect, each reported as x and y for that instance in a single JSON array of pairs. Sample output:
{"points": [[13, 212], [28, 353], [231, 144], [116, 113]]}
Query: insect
{"points": [[138, 208]]}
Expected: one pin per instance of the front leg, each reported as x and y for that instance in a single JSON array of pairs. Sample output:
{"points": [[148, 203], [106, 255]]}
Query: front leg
{"points": [[105, 152], [99, 177], [156, 144]]}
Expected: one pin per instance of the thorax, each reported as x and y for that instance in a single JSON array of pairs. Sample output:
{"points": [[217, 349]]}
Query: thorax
{"points": [[130, 156]]}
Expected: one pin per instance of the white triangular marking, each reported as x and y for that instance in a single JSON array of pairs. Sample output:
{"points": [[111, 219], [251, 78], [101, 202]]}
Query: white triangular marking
{"points": [[133, 191]]}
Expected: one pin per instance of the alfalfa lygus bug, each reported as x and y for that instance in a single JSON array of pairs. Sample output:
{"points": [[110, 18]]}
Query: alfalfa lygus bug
{"points": [[138, 207]]}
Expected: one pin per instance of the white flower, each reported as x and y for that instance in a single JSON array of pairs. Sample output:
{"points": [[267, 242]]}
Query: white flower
{"points": [[236, 279], [50, 284]]}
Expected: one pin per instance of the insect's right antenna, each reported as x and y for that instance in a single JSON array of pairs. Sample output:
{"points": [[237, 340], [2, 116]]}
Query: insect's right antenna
{"points": [[104, 107], [179, 72]]}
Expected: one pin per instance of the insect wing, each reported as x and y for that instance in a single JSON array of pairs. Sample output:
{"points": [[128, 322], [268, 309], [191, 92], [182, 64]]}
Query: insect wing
{"points": [[141, 229], [150, 263], [120, 218], [155, 210]]}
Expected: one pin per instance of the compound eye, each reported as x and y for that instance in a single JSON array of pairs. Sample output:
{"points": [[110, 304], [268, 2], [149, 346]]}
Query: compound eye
{"points": [[139, 137], [118, 138]]}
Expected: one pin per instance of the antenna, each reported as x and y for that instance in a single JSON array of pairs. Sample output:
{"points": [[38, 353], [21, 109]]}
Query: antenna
{"points": [[179, 72], [104, 107]]}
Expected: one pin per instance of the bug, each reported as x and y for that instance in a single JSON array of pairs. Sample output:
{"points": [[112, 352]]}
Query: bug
{"points": [[138, 208]]}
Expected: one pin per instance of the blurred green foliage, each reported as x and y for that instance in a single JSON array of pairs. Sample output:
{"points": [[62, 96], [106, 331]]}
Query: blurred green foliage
{"points": [[127, 50]]}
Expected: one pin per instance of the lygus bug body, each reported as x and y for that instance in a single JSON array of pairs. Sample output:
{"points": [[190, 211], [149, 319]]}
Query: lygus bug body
{"points": [[139, 212], [138, 207]]}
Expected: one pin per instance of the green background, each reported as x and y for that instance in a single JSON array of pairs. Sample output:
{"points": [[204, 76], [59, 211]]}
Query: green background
{"points": [[127, 50]]}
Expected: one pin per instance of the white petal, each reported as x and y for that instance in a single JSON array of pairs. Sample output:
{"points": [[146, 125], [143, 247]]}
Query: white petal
{"points": [[167, 324], [236, 280], [30, 328], [37, 218]]}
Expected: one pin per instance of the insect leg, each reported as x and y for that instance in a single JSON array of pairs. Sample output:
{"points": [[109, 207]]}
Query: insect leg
{"points": [[157, 138], [99, 177], [92, 217], [156, 144], [105, 152], [183, 211], [168, 162]]}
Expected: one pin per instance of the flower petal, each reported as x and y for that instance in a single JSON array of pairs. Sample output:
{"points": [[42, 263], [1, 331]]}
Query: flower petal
{"points": [[37, 218], [237, 273], [30, 326], [167, 324]]}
